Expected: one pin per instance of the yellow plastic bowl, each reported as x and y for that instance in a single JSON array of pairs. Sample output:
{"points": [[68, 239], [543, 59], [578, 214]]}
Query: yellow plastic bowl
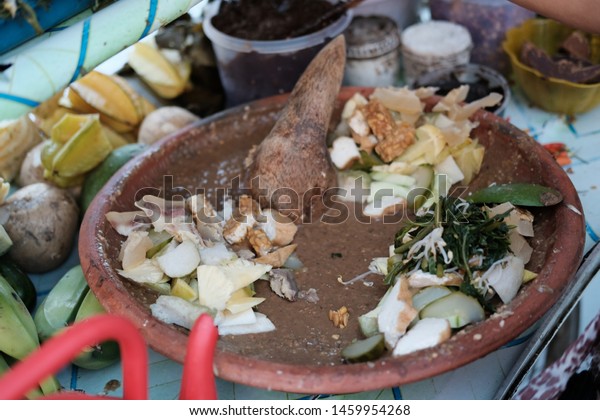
{"points": [[549, 93]]}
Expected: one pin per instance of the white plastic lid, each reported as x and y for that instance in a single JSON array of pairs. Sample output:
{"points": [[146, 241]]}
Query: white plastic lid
{"points": [[436, 38]]}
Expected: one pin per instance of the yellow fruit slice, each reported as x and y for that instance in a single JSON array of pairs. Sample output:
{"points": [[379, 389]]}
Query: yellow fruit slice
{"points": [[49, 150], [67, 126], [84, 151], [108, 97], [142, 106], [45, 124], [63, 182], [16, 138], [72, 100], [166, 78], [115, 139]]}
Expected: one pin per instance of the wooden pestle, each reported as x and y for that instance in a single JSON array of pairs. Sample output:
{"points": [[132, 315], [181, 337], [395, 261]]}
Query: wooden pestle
{"points": [[290, 170]]}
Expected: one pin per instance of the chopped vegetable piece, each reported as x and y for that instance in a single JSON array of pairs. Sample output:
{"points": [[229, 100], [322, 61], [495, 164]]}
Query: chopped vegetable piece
{"points": [[396, 312], [505, 277], [261, 325], [429, 294], [426, 333], [175, 310], [529, 195], [181, 261], [365, 350], [458, 308]]}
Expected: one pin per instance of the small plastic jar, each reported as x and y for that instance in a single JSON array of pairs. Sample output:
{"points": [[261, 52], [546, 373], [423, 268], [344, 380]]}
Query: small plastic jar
{"points": [[373, 52], [434, 45], [487, 21]]}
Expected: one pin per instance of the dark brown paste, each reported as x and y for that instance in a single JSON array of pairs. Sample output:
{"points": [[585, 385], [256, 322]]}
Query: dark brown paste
{"points": [[269, 20]]}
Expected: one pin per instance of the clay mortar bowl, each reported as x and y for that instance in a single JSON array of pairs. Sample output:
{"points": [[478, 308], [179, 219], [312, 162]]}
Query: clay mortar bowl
{"points": [[194, 153]]}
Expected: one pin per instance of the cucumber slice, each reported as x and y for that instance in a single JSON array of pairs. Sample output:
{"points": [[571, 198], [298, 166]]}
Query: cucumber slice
{"points": [[368, 322], [5, 241], [423, 176], [398, 179], [350, 181], [458, 308], [418, 195], [381, 189], [429, 294], [531, 195], [365, 350], [157, 248]]}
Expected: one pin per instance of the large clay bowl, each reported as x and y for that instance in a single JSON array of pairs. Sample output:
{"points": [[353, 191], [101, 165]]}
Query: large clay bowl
{"points": [[309, 362]]}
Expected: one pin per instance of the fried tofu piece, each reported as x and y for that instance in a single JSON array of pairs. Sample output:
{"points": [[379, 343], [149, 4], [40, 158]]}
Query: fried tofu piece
{"points": [[393, 138]]}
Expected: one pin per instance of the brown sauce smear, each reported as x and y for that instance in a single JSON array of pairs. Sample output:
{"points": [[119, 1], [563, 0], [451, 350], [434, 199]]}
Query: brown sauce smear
{"points": [[304, 334]]}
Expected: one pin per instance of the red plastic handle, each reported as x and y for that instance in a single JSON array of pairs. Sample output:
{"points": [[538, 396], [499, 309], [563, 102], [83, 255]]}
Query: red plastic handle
{"points": [[198, 381], [61, 349]]}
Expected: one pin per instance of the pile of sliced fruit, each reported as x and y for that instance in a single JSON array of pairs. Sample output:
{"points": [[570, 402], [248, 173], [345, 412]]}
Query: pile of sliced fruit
{"points": [[204, 261], [390, 146]]}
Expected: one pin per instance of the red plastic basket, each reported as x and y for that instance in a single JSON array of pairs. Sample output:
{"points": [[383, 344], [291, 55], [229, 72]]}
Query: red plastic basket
{"points": [[197, 383]]}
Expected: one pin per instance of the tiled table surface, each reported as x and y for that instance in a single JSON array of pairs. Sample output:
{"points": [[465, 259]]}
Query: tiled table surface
{"points": [[478, 380]]}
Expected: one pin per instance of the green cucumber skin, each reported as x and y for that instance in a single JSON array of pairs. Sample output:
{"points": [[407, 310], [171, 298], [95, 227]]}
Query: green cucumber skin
{"points": [[428, 295], [365, 350], [458, 308]]}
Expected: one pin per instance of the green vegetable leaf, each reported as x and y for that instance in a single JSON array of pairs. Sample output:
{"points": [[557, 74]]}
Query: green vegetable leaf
{"points": [[530, 195]]}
